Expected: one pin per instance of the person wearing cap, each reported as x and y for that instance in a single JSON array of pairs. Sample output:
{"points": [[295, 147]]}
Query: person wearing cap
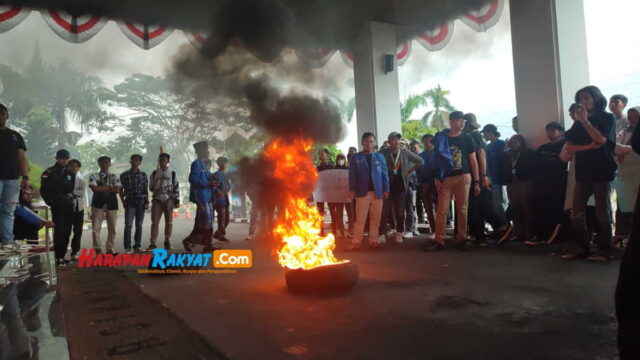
{"points": [[13, 165], [495, 156], [457, 171], [401, 163], [56, 188], [549, 187], [222, 202], [201, 195], [481, 209], [104, 204]]}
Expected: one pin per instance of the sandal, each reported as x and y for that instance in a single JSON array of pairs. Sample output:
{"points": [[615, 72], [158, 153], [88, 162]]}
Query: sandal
{"points": [[598, 258], [353, 247], [375, 245], [574, 256]]}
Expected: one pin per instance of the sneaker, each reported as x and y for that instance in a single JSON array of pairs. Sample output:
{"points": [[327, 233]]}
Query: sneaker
{"points": [[137, 250], [399, 239], [98, 251], [61, 262], [216, 235], [431, 246], [248, 238], [416, 233], [112, 252], [75, 257], [408, 235], [390, 233], [167, 246], [128, 251], [151, 247], [382, 239]]}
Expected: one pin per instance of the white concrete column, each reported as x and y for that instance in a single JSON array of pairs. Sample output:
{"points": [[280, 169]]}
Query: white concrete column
{"points": [[377, 92], [549, 60]]}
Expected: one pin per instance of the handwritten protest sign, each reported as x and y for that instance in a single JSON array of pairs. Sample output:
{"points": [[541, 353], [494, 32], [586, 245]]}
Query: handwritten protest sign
{"points": [[332, 186]]}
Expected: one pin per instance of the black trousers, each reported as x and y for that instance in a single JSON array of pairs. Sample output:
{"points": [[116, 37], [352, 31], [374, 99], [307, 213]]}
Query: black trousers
{"points": [[481, 211], [393, 208], [62, 215], [78, 221], [628, 294], [222, 214]]}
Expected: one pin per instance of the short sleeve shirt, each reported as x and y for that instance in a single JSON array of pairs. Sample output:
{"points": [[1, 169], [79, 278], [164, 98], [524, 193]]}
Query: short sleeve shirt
{"points": [[461, 146], [596, 165], [10, 142], [102, 199]]}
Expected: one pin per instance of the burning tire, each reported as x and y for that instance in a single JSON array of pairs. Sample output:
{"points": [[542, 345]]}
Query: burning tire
{"points": [[323, 279]]}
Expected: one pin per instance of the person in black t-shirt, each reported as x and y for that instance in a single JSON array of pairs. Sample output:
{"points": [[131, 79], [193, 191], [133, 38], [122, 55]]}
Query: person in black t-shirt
{"points": [[592, 139], [457, 171], [13, 164], [481, 209], [549, 187]]}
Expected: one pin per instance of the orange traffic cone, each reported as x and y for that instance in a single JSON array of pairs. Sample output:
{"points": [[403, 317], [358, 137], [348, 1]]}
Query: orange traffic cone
{"points": [[187, 214], [175, 213]]}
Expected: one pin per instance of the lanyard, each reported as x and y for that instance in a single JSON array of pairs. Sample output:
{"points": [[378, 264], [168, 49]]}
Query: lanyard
{"points": [[515, 161], [396, 161]]}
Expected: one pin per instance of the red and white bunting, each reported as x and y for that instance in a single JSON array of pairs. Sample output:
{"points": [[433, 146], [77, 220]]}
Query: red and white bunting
{"points": [[10, 16], [315, 57], [145, 36], [438, 38], [75, 29], [482, 19], [404, 50], [347, 58], [197, 39]]}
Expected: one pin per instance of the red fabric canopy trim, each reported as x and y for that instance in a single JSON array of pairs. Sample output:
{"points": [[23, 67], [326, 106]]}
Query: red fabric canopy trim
{"points": [[143, 35], [438, 38], [403, 52], [197, 39], [75, 29], [482, 19], [10, 16]]}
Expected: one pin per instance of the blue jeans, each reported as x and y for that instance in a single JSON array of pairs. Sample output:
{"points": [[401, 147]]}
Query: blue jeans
{"points": [[9, 192], [410, 215], [133, 209]]}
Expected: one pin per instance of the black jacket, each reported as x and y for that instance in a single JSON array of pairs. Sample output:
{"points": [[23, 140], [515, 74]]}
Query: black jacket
{"points": [[56, 186], [524, 170]]}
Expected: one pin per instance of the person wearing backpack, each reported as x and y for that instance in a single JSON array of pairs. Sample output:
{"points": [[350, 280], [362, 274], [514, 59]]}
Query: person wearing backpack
{"points": [[166, 197]]}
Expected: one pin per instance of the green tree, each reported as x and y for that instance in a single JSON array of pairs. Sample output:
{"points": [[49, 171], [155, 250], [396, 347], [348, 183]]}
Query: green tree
{"points": [[164, 118], [415, 129], [411, 104], [438, 117], [40, 136]]}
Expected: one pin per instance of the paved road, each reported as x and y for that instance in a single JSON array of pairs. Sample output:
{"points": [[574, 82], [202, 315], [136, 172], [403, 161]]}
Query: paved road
{"points": [[492, 303]]}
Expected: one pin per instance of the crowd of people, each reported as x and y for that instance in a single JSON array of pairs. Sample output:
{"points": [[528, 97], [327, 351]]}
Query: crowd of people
{"points": [[457, 181], [561, 191], [64, 192]]}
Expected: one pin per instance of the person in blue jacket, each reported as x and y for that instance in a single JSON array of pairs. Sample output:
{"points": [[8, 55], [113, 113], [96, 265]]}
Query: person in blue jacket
{"points": [[200, 194], [27, 222], [369, 184]]}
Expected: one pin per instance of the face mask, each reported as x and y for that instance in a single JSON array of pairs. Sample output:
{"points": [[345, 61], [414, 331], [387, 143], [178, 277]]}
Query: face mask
{"points": [[341, 162]]}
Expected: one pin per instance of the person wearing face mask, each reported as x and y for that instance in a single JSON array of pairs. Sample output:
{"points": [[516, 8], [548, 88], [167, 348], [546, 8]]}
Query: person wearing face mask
{"points": [[592, 139], [341, 163]]}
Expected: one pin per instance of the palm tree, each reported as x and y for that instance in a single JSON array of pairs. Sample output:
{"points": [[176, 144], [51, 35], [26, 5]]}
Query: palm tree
{"points": [[442, 106], [410, 104]]}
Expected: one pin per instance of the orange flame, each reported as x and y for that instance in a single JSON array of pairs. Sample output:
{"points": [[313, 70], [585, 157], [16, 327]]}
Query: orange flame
{"points": [[298, 224]]}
